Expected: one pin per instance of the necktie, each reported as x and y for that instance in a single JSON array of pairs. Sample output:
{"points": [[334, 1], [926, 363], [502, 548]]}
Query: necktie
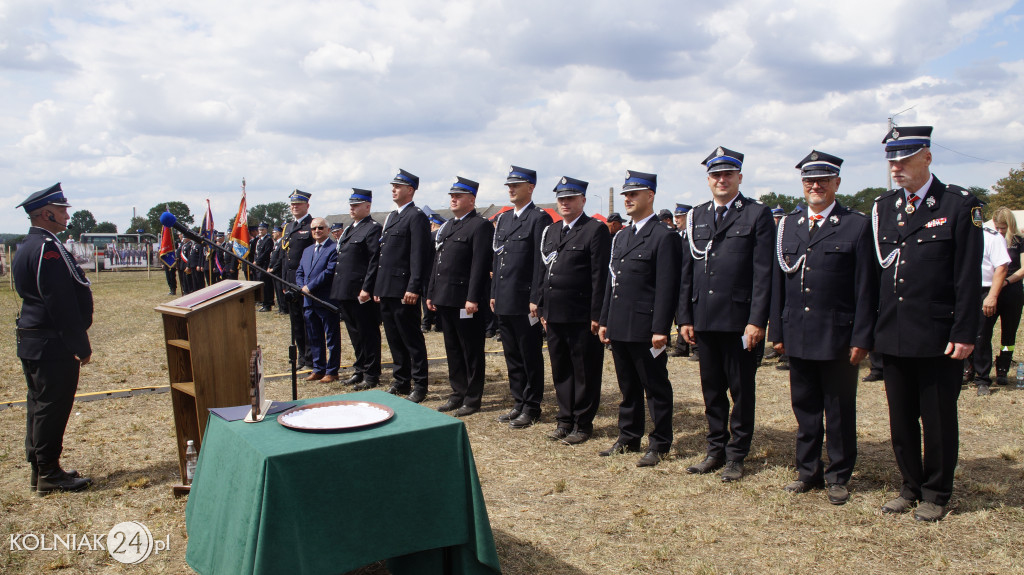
{"points": [[565, 231], [316, 251], [719, 214], [815, 223]]}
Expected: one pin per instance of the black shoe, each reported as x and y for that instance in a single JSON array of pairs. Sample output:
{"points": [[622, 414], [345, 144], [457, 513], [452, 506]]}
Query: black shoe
{"points": [[53, 478], [693, 357], [558, 434], [576, 437], [783, 365], [871, 376], [425, 328], [651, 458], [34, 475], [733, 471], [838, 494], [399, 390], [264, 308], [366, 384], [523, 421], [983, 389], [417, 395], [620, 447], [968, 376], [466, 410], [770, 353], [489, 334], [507, 417], [449, 405], [356, 378], [707, 466], [800, 486]]}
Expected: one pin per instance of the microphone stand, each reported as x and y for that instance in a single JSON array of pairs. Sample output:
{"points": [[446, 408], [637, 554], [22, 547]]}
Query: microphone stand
{"points": [[295, 295]]}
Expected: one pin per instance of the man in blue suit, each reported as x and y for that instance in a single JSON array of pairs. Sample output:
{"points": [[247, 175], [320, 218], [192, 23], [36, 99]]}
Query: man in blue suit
{"points": [[315, 274]]}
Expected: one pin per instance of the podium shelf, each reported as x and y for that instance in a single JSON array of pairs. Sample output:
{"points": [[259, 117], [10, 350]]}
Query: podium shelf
{"points": [[182, 343], [188, 387]]}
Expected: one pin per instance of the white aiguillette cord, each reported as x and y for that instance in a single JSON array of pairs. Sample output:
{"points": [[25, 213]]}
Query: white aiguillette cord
{"points": [[782, 262], [893, 255], [697, 253]]}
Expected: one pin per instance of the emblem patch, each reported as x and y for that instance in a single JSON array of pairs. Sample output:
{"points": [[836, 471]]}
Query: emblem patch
{"points": [[976, 217], [51, 256]]}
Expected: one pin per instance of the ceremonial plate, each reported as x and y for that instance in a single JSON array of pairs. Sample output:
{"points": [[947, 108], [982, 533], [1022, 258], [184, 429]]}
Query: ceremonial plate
{"points": [[335, 416]]}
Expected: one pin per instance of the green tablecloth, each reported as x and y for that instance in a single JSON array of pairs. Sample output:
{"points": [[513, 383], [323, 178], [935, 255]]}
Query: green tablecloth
{"points": [[268, 499]]}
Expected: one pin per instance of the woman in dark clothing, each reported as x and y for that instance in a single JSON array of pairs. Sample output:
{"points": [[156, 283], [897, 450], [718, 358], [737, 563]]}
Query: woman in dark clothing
{"points": [[1011, 298]]}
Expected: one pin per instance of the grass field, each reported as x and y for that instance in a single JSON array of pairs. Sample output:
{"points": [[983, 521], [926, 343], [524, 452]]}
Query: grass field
{"points": [[554, 509]]}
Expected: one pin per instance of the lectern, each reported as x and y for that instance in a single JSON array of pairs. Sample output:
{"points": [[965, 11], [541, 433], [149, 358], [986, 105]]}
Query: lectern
{"points": [[210, 335]]}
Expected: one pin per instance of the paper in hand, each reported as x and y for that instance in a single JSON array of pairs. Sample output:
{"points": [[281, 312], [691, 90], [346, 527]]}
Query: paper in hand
{"points": [[464, 315], [656, 351]]}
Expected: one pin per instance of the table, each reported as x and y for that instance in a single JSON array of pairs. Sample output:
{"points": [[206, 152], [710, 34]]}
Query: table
{"points": [[268, 499]]}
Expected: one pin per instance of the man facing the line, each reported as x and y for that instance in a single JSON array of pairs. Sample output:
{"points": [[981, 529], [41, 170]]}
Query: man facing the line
{"points": [[315, 275], [824, 302], [639, 307], [515, 293], [295, 238], [459, 282], [724, 301]]}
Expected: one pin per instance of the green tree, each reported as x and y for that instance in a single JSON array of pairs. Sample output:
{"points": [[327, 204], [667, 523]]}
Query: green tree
{"points": [[771, 199], [1009, 191], [862, 200], [105, 227], [273, 213], [179, 209], [81, 222], [140, 223]]}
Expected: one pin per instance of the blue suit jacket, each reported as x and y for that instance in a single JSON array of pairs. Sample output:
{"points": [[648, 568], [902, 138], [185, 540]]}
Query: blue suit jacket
{"points": [[317, 272]]}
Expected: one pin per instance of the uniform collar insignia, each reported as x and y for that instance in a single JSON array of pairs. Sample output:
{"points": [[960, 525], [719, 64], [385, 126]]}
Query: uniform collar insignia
{"points": [[738, 203], [930, 201], [899, 202], [801, 220], [834, 219]]}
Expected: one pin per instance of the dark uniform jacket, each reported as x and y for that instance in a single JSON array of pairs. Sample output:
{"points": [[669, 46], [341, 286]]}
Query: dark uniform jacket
{"points": [[196, 257], [936, 295], [316, 270], [834, 306], [264, 246], [295, 238], [358, 251], [574, 283], [56, 309], [643, 286], [731, 288], [404, 263], [518, 270], [462, 262], [275, 258]]}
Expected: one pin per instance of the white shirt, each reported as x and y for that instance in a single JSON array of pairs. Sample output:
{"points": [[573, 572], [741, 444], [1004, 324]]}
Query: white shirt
{"points": [[638, 225], [572, 223], [823, 213], [520, 212], [995, 256], [919, 193]]}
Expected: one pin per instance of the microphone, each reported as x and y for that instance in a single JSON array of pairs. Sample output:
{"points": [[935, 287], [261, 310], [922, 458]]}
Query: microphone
{"points": [[168, 220]]}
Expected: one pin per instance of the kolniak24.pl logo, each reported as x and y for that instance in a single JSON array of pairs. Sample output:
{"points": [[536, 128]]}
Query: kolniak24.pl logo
{"points": [[128, 542]]}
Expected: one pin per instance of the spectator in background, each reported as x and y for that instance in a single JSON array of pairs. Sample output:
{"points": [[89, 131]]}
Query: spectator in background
{"points": [[1011, 297]]}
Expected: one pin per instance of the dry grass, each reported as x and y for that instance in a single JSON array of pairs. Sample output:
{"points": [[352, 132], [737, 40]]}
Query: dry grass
{"points": [[554, 509]]}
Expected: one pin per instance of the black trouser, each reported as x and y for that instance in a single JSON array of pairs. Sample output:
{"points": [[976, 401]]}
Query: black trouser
{"points": [[922, 394], [1008, 311], [268, 290], [639, 373], [464, 346], [362, 320], [524, 359], [429, 317], [824, 388], [577, 358], [172, 279], [51, 395], [408, 349], [298, 322], [727, 369], [875, 360], [282, 297]]}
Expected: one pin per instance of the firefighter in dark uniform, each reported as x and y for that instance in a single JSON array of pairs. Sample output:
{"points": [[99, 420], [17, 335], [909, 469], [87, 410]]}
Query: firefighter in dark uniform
{"points": [[460, 283], [197, 265], [515, 293], [295, 238], [575, 251], [276, 259], [929, 245], [264, 247], [681, 347], [430, 318], [354, 278], [403, 270], [52, 337], [640, 302], [724, 302], [824, 305]]}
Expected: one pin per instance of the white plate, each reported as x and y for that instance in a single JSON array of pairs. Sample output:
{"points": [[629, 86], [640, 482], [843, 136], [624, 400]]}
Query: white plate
{"points": [[335, 415]]}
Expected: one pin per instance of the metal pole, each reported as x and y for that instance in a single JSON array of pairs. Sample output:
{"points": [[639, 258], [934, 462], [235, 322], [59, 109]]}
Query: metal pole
{"points": [[611, 200]]}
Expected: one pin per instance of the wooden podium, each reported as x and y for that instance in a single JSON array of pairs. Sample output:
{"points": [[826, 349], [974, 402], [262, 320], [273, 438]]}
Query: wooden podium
{"points": [[210, 335]]}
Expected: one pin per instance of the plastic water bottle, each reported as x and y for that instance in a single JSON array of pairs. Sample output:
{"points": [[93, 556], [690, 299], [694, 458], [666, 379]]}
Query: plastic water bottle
{"points": [[192, 456], [1020, 376]]}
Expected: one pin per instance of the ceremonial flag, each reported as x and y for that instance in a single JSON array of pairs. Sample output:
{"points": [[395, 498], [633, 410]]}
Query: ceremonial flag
{"points": [[240, 232], [166, 247], [207, 227]]}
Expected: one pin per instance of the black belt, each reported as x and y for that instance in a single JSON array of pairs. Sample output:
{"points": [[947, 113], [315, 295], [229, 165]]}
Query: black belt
{"points": [[37, 333]]}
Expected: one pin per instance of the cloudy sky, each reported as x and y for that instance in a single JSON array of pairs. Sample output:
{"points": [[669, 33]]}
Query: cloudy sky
{"points": [[131, 103]]}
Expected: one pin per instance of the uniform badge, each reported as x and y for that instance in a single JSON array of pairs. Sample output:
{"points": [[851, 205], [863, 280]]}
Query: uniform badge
{"points": [[895, 134], [976, 216], [910, 208], [936, 222], [719, 151], [899, 202], [511, 170], [564, 181], [834, 220], [801, 220], [930, 201], [964, 192], [814, 156], [738, 203]]}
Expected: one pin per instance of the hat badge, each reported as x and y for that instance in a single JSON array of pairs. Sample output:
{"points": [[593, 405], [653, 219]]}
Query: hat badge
{"points": [[719, 151], [628, 175], [895, 134], [814, 156], [511, 170], [564, 181]]}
